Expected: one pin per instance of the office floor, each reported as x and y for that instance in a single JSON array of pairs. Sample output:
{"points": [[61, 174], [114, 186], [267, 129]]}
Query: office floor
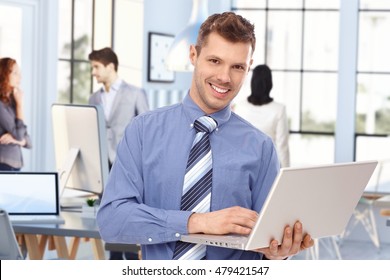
{"points": [[351, 250]]}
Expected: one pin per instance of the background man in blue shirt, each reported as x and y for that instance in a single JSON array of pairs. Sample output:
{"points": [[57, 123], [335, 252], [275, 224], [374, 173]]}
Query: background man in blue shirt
{"points": [[141, 202]]}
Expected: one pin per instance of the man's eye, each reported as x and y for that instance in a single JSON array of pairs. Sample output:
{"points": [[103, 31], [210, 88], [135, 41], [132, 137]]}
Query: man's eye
{"points": [[239, 67]]}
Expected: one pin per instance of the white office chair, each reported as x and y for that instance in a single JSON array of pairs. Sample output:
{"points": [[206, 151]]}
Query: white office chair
{"points": [[330, 244], [364, 212], [9, 247]]}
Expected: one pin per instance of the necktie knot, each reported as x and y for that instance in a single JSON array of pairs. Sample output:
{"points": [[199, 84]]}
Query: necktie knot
{"points": [[205, 124]]}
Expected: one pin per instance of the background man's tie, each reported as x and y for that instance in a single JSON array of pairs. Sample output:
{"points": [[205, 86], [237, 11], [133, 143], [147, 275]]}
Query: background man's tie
{"points": [[197, 185]]}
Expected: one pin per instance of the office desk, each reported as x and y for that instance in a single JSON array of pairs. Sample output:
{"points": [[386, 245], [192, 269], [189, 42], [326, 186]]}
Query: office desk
{"points": [[36, 236]]}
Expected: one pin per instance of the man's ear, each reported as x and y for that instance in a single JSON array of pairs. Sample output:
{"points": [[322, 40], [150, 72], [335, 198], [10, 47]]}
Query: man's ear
{"points": [[193, 54], [250, 64], [111, 66]]}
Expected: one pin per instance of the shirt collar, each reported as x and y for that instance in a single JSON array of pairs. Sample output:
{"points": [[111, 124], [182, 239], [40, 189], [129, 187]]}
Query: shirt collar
{"points": [[114, 86], [193, 112]]}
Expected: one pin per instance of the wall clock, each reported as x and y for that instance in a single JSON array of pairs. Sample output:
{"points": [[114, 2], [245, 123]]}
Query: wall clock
{"points": [[159, 45]]}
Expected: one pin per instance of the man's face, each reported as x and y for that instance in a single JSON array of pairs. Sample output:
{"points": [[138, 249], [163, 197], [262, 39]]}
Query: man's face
{"points": [[100, 72], [220, 70]]}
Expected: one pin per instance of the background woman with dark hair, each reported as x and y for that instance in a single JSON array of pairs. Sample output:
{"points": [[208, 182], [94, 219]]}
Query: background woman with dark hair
{"points": [[13, 131], [265, 114]]}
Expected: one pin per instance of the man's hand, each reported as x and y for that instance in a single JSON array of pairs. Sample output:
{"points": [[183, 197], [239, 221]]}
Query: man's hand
{"points": [[293, 242], [237, 220]]}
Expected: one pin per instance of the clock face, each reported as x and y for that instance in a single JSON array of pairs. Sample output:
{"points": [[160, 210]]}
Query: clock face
{"points": [[159, 45]]}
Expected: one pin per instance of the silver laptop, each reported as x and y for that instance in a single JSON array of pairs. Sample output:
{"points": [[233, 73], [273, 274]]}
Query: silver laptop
{"points": [[321, 197], [30, 197]]}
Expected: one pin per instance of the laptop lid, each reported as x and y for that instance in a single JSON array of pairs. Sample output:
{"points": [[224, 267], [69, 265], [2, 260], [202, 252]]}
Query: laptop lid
{"points": [[29, 193], [322, 197]]}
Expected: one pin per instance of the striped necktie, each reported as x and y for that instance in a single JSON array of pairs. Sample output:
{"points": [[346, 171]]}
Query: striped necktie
{"points": [[197, 185]]}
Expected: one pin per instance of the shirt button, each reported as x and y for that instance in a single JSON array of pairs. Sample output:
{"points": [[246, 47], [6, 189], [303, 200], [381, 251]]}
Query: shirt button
{"points": [[177, 234], [192, 125], [150, 239], [216, 129]]}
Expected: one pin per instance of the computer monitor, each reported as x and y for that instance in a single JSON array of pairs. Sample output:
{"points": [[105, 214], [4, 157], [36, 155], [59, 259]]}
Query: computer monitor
{"points": [[80, 147]]}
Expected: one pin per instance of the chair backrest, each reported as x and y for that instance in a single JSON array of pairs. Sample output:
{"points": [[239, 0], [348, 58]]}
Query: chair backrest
{"points": [[379, 184], [383, 178], [9, 247]]}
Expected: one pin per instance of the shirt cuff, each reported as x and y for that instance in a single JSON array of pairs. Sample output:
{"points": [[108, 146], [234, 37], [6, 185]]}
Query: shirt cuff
{"points": [[178, 222]]}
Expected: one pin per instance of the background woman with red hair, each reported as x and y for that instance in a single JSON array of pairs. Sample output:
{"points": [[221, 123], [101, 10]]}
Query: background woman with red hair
{"points": [[13, 131]]}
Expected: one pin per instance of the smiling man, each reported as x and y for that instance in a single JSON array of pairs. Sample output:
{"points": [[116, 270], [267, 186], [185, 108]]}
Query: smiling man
{"points": [[196, 167]]}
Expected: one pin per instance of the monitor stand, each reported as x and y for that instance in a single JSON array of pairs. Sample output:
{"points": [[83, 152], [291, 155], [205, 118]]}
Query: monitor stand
{"points": [[72, 198], [66, 169]]}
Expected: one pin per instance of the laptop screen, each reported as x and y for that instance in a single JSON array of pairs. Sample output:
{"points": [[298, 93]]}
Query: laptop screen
{"points": [[29, 193]]}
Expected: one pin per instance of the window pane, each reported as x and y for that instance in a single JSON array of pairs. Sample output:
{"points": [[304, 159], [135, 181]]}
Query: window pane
{"points": [[64, 28], [284, 40], [376, 148], [248, 4], [258, 19], [306, 149], [297, 4], [286, 90], [63, 82], [374, 44], [321, 40], [319, 102], [373, 104], [81, 82], [321, 4], [374, 4], [102, 24], [82, 29]]}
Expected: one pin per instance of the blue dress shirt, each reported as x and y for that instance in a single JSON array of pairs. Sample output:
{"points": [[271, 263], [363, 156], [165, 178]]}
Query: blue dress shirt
{"points": [[141, 200]]}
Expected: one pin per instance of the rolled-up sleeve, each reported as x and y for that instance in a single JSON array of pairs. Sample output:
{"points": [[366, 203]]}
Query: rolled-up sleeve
{"points": [[123, 217]]}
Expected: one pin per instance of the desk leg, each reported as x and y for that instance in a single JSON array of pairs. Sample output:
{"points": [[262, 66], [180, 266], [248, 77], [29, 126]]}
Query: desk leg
{"points": [[62, 249], [42, 242], [98, 249], [34, 252], [50, 244], [73, 247]]}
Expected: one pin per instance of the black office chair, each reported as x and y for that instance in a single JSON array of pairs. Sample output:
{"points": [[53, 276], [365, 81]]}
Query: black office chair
{"points": [[9, 247]]}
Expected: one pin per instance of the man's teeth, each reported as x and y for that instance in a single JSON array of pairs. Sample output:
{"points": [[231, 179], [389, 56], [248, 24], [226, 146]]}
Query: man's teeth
{"points": [[220, 90]]}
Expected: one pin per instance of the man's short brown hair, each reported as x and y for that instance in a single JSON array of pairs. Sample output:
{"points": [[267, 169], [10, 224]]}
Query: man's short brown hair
{"points": [[104, 56], [230, 26]]}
